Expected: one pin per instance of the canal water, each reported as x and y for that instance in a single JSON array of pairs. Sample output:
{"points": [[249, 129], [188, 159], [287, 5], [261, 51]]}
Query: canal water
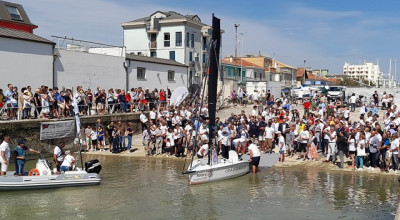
{"points": [[134, 188]]}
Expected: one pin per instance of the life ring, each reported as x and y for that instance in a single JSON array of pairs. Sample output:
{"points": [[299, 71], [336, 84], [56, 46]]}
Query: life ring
{"points": [[34, 172]]}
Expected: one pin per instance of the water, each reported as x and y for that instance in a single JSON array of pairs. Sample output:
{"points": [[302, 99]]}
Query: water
{"points": [[154, 189]]}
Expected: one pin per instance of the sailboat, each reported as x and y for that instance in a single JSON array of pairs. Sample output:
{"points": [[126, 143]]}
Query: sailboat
{"points": [[213, 168]]}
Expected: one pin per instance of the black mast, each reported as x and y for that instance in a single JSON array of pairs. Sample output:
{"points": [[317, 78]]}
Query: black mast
{"points": [[213, 80]]}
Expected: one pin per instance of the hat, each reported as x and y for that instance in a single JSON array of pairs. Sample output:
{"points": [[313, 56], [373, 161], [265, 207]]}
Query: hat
{"points": [[21, 141], [67, 152], [25, 91], [278, 132]]}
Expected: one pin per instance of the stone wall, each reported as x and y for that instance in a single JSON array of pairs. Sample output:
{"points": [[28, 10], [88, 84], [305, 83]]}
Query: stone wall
{"points": [[30, 130]]}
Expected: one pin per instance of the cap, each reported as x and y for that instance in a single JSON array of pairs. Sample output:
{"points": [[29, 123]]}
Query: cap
{"points": [[67, 152], [278, 132], [25, 91], [21, 141]]}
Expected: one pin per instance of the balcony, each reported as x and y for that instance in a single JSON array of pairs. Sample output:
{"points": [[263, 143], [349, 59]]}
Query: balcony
{"points": [[152, 30], [153, 45]]}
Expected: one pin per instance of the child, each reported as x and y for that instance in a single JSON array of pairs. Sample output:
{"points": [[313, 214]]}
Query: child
{"points": [[281, 146], [100, 138], [93, 136], [14, 106], [168, 147]]}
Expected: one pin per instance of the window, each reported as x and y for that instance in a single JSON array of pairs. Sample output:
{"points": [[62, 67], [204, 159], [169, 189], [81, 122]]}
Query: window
{"points": [[14, 13], [204, 43], [178, 39], [187, 39], [192, 41], [172, 55], [204, 58], [141, 73], [171, 75], [190, 56], [153, 54], [167, 38]]}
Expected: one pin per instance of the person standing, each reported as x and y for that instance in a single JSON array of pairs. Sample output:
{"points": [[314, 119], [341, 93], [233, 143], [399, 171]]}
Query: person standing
{"points": [[375, 96], [361, 151], [331, 144], [58, 155], [304, 137], [373, 149], [143, 121], [121, 128], [20, 155], [394, 148], [159, 139], [254, 156], [5, 155], [115, 140], [146, 139], [129, 133], [342, 148], [353, 100], [281, 146]]}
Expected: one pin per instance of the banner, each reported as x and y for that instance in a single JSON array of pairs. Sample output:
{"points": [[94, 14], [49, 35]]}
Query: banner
{"points": [[54, 130]]}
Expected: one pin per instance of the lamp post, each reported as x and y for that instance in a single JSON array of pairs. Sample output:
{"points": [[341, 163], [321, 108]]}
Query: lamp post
{"points": [[236, 26], [241, 54]]}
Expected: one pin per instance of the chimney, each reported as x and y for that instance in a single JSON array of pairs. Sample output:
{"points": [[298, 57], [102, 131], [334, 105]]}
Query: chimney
{"points": [[231, 59]]}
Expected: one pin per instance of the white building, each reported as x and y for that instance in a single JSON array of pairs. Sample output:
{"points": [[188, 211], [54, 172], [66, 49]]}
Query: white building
{"points": [[170, 35], [367, 71]]}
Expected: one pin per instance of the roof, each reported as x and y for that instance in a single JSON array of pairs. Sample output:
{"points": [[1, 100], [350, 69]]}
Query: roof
{"points": [[239, 62], [154, 60], [5, 15], [300, 72], [22, 35], [169, 15]]}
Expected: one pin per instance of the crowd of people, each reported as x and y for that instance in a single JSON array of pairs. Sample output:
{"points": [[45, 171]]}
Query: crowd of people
{"points": [[45, 102], [324, 129]]}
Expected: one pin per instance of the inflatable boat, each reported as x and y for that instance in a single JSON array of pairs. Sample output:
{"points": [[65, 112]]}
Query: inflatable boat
{"points": [[43, 177]]}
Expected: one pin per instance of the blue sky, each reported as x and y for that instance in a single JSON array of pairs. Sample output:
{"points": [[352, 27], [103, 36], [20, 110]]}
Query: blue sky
{"points": [[324, 33]]}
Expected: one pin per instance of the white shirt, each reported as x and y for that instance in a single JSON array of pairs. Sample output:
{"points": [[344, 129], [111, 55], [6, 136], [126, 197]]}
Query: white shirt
{"points": [[352, 145], [361, 148], [143, 118], [305, 136], [6, 148], [254, 112], [281, 143], [353, 99], [254, 149], [93, 135], [205, 147], [395, 146], [153, 115], [58, 153], [346, 113], [67, 161], [269, 132]]}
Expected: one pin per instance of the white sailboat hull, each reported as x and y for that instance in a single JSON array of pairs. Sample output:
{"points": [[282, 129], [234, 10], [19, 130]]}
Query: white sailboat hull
{"points": [[200, 172]]}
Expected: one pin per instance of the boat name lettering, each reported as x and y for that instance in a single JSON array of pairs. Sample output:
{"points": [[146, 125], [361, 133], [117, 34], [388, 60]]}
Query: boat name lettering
{"points": [[232, 169], [72, 177]]}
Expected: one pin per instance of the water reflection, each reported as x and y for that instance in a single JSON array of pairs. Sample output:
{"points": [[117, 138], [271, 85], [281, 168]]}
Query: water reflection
{"points": [[154, 189]]}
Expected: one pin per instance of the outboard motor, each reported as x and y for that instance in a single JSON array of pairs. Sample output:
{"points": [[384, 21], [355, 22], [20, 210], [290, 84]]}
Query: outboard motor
{"points": [[93, 166]]}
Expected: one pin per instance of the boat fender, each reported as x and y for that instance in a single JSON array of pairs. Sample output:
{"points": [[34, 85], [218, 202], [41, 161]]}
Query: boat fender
{"points": [[34, 172]]}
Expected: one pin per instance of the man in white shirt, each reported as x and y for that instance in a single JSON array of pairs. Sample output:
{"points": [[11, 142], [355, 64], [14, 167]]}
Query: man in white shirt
{"points": [[5, 155], [353, 100], [394, 148], [58, 155], [269, 137], [143, 121], [254, 155], [153, 115]]}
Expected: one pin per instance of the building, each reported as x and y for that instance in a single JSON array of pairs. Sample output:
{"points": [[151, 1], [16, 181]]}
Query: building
{"points": [[366, 71], [91, 64], [320, 72], [170, 35], [25, 58]]}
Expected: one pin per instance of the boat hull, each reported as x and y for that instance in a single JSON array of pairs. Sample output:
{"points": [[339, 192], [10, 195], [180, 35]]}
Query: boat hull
{"points": [[206, 173], [68, 179]]}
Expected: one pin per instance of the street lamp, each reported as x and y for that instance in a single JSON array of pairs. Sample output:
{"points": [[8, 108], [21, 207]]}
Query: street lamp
{"points": [[236, 26]]}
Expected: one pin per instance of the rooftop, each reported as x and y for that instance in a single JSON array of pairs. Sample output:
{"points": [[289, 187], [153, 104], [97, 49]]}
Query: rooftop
{"points": [[239, 62], [22, 35], [153, 60], [169, 15], [15, 13]]}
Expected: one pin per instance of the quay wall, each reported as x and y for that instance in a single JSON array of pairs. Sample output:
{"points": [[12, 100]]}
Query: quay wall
{"points": [[30, 130]]}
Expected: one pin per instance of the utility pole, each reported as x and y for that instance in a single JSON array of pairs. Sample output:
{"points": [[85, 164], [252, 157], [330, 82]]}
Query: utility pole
{"points": [[236, 26]]}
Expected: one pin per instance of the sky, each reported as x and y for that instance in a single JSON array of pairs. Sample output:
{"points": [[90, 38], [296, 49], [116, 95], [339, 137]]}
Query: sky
{"points": [[323, 33]]}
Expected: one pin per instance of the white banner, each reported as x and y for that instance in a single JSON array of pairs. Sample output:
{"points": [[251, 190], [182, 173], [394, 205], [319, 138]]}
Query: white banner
{"points": [[54, 130]]}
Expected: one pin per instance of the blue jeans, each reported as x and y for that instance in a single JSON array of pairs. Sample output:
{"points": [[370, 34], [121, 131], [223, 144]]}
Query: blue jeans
{"points": [[64, 168], [123, 106], [122, 142], [115, 145], [19, 168], [360, 161], [395, 160], [129, 141]]}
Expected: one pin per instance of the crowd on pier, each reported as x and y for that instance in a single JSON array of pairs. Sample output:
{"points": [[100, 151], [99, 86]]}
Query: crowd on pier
{"points": [[45, 102]]}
